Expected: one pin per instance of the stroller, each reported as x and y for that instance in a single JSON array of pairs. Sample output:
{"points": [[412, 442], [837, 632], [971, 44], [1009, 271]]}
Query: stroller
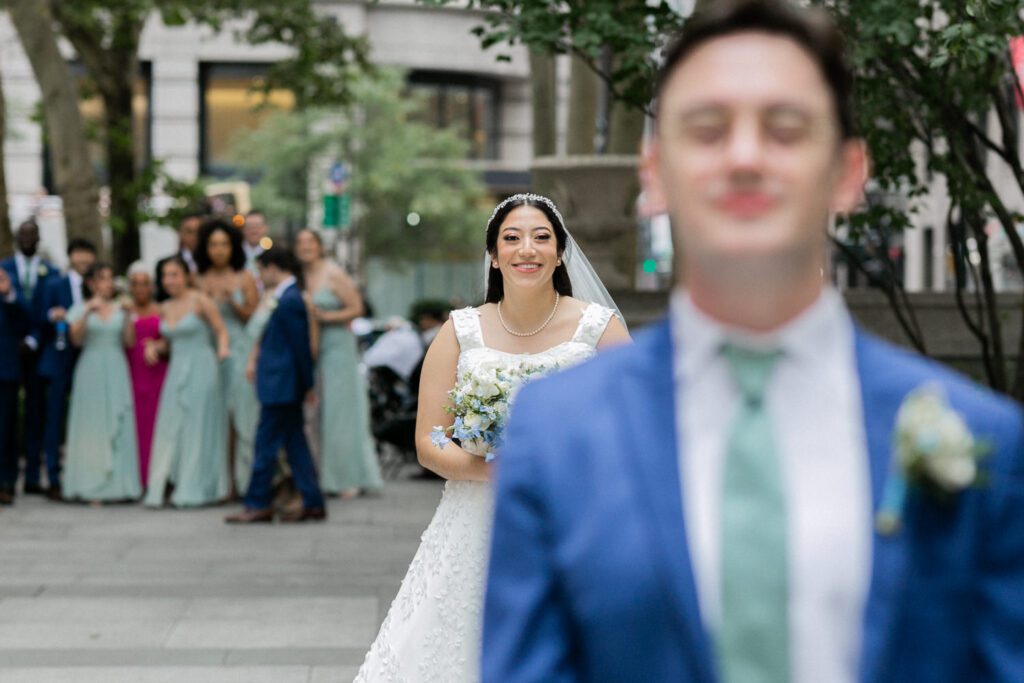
{"points": [[393, 403]]}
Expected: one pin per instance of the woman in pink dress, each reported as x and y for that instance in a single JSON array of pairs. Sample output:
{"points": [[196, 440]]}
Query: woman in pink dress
{"points": [[147, 370]]}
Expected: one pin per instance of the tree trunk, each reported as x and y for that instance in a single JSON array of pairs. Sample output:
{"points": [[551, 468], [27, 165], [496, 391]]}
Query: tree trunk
{"points": [[72, 169], [122, 174], [6, 238], [542, 78], [113, 65], [584, 92]]}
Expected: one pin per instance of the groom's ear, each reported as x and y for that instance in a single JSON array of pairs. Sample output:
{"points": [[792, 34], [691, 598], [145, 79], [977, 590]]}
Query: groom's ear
{"points": [[655, 200]]}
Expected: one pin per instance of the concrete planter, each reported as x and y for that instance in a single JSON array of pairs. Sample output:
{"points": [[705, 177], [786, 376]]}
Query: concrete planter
{"points": [[597, 197]]}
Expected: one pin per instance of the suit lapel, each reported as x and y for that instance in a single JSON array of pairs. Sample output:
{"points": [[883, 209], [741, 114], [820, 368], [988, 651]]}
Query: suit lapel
{"points": [[650, 416], [882, 395]]}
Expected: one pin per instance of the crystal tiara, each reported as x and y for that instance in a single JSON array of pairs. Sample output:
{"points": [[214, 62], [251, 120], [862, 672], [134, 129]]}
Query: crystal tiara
{"points": [[527, 196]]}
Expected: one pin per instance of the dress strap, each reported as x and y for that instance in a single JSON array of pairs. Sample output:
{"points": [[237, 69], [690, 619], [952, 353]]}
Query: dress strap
{"points": [[593, 322], [467, 328]]}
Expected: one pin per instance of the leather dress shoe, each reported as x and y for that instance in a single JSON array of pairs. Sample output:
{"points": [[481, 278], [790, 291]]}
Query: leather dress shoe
{"points": [[34, 490], [251, 516], [54, 494], [317, 514], [6, 497]]}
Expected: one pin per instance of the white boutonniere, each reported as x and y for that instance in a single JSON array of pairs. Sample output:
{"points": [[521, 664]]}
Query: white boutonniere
{"points": [[934, 452], [42, 271], [272, 303]]}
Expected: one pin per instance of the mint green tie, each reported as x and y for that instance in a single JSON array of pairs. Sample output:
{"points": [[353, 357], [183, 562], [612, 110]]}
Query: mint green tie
{"points": [[753, 641]]}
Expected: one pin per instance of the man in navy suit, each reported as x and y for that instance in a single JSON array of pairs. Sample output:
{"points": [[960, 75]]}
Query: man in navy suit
{"points": [[29, 273], [14, 324], [282, 367], [757, 491], [57, 358]]}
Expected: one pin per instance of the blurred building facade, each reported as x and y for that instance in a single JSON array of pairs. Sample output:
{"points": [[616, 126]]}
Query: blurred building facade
{"points": [[194, 94]]}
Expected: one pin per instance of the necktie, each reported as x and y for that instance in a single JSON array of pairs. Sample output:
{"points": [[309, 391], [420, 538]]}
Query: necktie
{"points": [[29, 281], [753, 643]]}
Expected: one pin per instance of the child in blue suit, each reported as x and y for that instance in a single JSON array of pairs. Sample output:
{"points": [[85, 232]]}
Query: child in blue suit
{"points": [[282, 367]]}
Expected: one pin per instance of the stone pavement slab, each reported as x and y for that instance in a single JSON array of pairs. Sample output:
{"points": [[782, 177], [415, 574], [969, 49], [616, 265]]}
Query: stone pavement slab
{"points": [[122, 593]]}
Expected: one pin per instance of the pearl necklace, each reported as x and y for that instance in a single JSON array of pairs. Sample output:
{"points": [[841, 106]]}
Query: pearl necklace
{"points": [[536, 331]]}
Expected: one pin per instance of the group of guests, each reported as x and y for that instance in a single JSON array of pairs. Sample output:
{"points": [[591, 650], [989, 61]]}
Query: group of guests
{"points": [[168, 383]]}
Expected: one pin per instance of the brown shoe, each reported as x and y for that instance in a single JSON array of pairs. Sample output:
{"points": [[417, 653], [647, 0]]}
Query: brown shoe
{"points": [[6, 497], [250, 516], [54, 493], [305, 515]]}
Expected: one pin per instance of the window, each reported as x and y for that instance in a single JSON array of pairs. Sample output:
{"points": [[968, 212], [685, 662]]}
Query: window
{"points": [[465, 102], [91, 107], [231, 102]]}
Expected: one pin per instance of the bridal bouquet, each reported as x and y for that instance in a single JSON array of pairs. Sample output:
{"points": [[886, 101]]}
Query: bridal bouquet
{"points": [[480, 403]]}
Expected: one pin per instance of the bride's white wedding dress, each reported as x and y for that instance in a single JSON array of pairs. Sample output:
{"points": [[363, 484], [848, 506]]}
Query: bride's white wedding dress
{"points": [[432, 631]]}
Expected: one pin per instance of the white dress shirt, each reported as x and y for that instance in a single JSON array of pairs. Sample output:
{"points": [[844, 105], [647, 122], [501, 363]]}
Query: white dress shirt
{"points": [[813, 398], [28, 270], [190, 260], [282, 286], [252, 251], [76, 287]]}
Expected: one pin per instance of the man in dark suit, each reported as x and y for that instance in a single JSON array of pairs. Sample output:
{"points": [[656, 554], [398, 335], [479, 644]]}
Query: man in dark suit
{"points": [[13, 325], [188, 240], [29, 274], [57, 358], [282, 367]]}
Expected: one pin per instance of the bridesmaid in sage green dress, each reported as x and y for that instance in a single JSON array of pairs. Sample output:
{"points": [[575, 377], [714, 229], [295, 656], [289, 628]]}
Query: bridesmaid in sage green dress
{"points": [[220, 260], [190, 443], [348, 456], [101, 455]]}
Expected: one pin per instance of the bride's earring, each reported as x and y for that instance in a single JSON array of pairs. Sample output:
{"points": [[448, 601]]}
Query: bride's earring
{"points": [[494, 264]]}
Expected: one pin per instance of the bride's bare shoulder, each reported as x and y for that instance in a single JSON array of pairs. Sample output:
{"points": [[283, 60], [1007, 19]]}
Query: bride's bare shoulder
{"points": [[573, 305]]}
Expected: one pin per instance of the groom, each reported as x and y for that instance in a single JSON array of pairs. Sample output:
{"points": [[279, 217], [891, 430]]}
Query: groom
{"points": [[282, 367], [722, 501]]}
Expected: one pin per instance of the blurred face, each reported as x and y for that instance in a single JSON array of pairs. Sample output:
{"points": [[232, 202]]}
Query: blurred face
{"points": [[307, 248], [81, 260], [271, 275], [255, 229], [174, 279], [218, 248], [141, 287], [748, 157], [188, 233], [527, 250], [28, 239], [101, 284]]}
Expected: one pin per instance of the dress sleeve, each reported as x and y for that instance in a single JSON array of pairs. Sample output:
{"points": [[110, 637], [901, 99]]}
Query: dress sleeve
{"points": [[75, 313], [593, 322], [466, 322]]}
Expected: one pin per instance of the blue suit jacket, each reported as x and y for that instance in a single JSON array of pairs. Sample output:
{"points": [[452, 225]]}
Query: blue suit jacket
{"points": [[284, 369], [590, 575], [54, 363], [33, 306], [14, 324]]}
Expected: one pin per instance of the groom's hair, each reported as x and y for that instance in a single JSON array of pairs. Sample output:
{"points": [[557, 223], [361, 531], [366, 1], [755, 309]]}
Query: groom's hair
{"points": [[279, 257], [810, 28]]}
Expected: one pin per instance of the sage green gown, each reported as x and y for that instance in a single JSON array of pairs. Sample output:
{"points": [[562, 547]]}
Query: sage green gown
{"points": [[101, 460], [190, 443], [348, 457], [245, 407], [240, 393]]}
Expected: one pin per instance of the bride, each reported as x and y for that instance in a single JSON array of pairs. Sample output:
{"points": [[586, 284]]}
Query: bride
{"points": [[532, 322]]}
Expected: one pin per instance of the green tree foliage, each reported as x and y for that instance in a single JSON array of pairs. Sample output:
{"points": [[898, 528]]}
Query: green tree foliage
{"points": [[937, 100], [399, 166], [105, 35]]}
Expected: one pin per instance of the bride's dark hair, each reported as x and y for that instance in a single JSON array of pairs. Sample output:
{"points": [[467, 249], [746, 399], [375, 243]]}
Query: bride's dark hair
{"points": [[495, 283]]}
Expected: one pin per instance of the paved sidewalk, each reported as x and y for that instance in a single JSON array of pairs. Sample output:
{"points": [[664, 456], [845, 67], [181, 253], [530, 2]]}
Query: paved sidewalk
{"points": [[122, 593]]}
